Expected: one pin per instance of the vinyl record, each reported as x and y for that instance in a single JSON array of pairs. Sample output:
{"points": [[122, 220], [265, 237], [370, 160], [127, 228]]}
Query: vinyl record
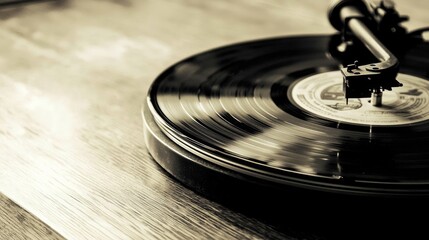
{"points": [[272, 113]]}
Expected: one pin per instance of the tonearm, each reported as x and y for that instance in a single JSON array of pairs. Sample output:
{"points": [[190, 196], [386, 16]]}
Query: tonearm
{"points": [[371, 24]]}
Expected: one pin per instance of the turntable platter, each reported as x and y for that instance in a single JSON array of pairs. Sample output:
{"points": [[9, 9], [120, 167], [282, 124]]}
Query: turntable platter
{"points": [[271, 112]]}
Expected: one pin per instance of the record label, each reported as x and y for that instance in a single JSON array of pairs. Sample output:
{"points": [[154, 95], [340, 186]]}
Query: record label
{"points": [[322, 94]]}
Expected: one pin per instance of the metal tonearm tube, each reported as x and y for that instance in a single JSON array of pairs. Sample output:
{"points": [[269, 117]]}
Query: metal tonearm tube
{"points": [[361, 19]]}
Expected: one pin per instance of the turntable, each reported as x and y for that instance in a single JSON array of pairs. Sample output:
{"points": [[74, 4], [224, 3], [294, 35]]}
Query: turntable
{"points": [[332, 116]]}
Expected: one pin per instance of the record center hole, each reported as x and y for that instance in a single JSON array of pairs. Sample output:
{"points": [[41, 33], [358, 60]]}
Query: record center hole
{"points": [[375, 68]]}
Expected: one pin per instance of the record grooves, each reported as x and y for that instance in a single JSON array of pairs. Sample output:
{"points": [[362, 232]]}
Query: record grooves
{"points": [[230, 114]]}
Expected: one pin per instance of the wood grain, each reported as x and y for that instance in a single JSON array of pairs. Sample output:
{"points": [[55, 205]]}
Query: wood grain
{"points": [[73, 78], [16, 223]]}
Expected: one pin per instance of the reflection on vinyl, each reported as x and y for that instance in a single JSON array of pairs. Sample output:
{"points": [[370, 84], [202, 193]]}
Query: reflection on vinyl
{"points": [[273, 111]]}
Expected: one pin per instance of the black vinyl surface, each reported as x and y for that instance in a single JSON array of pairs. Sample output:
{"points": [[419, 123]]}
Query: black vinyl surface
{"points": [[230, 108]]}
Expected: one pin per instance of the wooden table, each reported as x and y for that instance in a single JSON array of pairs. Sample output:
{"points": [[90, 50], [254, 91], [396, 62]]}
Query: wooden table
{"points": [[73, 77]]}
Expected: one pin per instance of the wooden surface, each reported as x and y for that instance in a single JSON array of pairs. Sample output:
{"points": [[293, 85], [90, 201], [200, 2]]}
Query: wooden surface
{"points": [[73, 76], [16, 223]]}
